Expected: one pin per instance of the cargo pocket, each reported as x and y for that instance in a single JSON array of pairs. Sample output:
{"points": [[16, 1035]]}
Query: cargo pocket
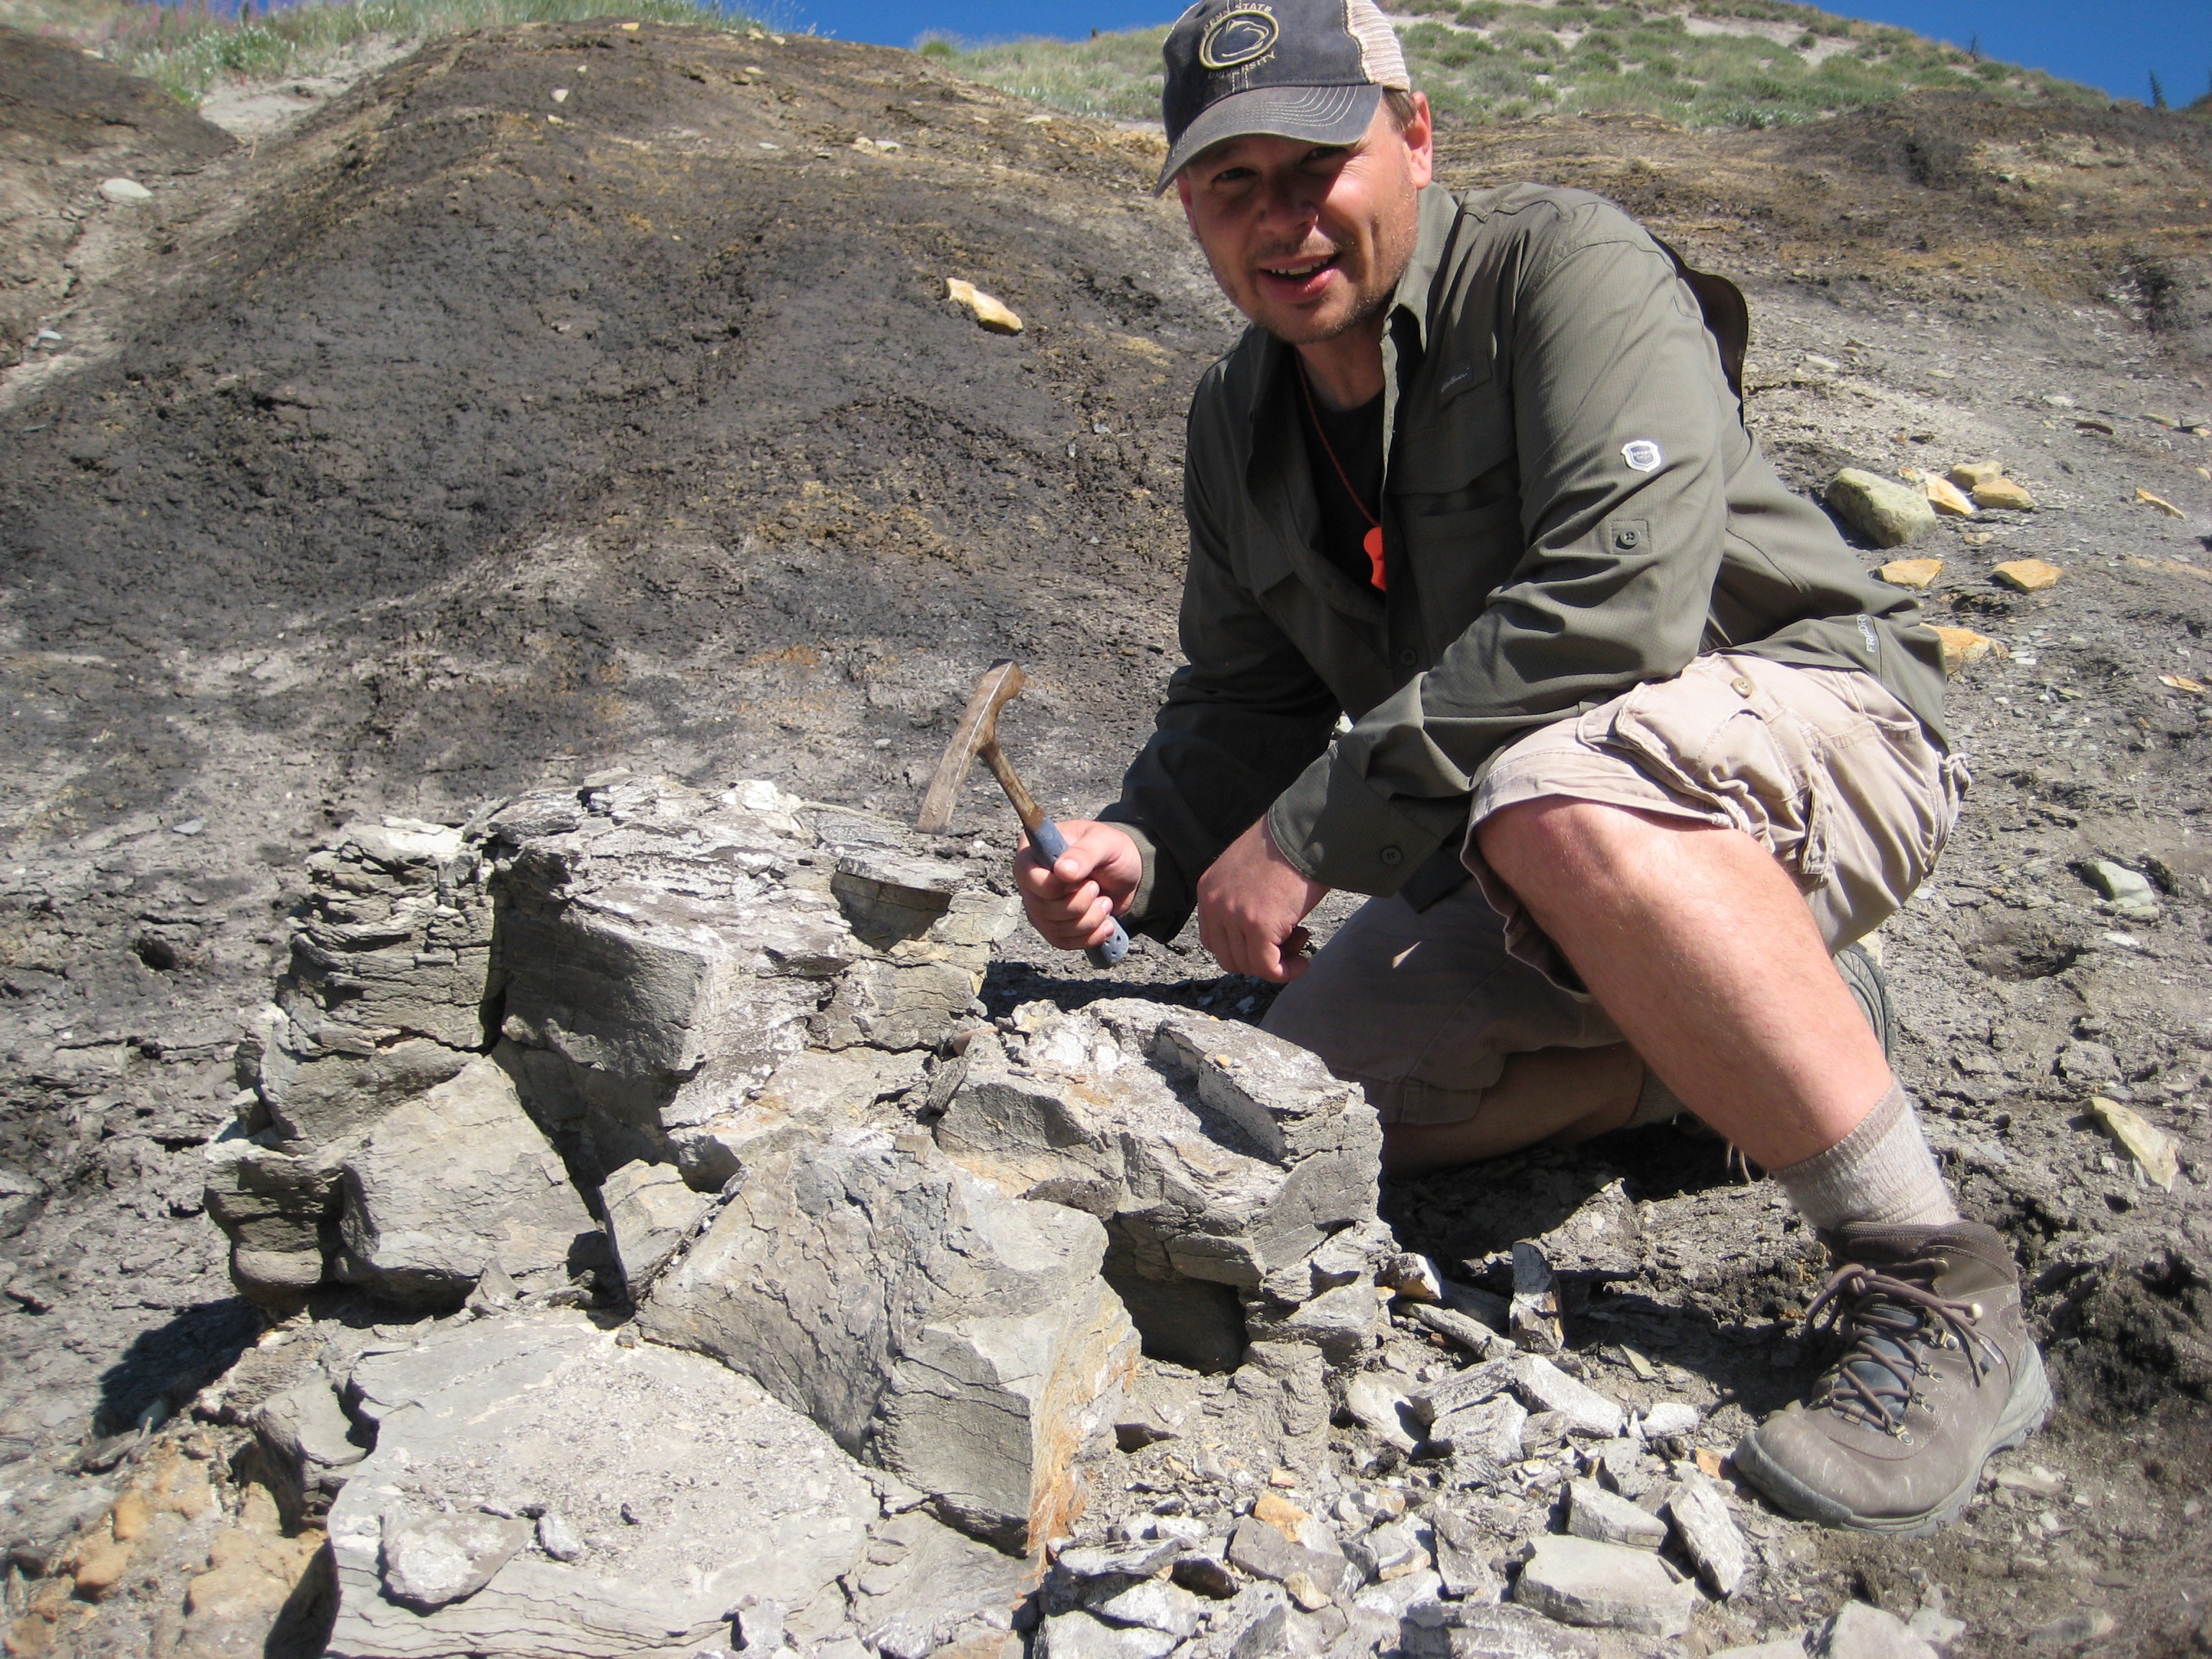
{"points": [[1714, 736]]}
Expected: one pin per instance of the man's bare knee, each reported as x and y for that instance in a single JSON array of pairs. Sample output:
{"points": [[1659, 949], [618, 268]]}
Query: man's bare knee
{"points": [[1536, 843]]}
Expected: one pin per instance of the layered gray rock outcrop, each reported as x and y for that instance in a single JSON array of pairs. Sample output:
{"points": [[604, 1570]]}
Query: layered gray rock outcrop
{"points": [[1234, 1177], [860, 1265]]}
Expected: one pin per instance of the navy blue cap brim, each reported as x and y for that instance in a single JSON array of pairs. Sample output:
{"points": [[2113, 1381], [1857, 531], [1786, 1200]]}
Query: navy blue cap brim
{"points": [[1313, 115]]}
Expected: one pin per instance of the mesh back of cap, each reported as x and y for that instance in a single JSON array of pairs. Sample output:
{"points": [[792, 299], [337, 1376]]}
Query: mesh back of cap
{"points": [[1381, 56]]}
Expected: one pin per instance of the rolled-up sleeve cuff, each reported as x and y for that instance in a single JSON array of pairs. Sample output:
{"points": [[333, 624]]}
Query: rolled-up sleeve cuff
{"points": [[1337, 830]]}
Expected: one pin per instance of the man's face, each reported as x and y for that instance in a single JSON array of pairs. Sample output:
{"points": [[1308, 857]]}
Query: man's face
{"points": [[1310, 240]]}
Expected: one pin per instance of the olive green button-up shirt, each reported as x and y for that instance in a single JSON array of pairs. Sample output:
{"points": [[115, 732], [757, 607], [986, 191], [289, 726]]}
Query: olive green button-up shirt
{"points": [[1571, 505]]}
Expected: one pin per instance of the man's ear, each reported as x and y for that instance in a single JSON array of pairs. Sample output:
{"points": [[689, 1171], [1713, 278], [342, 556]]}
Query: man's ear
{"points": [[1182, 195], [1421, 136]]}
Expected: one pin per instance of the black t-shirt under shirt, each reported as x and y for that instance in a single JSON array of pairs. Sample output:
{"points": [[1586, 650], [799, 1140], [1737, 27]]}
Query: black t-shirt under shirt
{"points": [[1355, 435]]}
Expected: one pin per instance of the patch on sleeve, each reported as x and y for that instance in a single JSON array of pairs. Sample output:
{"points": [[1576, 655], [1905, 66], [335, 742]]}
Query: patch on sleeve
{"points": [[1642, 455]]}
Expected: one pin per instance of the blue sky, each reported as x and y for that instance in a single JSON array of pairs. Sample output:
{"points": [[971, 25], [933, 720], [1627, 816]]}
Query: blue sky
{"points": [[2115, 44]]}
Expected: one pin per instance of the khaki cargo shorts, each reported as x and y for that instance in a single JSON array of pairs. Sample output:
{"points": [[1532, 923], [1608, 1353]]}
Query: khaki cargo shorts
{"points": [[1832, 774]]}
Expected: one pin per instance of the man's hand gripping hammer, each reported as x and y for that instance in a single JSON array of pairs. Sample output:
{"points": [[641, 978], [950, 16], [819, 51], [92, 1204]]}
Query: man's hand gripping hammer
{"points": [[978, 734]]}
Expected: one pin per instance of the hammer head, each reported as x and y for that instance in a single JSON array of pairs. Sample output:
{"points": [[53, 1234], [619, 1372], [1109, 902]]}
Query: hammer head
{"points": [[977, 731]]}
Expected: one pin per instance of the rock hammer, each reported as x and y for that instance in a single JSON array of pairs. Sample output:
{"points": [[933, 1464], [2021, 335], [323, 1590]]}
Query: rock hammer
{"points": [[978, 734]]}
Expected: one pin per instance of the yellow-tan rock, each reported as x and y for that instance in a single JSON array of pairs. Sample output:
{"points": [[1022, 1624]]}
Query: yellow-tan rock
{"points": [[2005, 494], [1962, 645], [986, 309], [1887, 513], [1911, 573], [1972, 475], [1945, 497], [2161, 503], [2029, 575]]}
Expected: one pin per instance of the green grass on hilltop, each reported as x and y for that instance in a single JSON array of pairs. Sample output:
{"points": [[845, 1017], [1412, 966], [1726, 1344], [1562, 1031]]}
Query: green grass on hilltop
{"points": [[188, 49], [1481, 60]]}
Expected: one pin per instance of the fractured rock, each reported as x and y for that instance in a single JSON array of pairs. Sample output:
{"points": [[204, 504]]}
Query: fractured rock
{"points": [[926, 1586], [1380, 1409], [1858, 1629], [2027, 575], [1155, 1604], [1961, 645], [1579, 1581], [279, 1212], [446, 1186], [1263, 1552], [1390, 1551], [962, 1340], [1594, 1512], [733, 1494], [650, 1212], [1441, 1632], [1216, 1156], [1079, 1635], [429, 1560], [1464, 1558], [1583, 1409], [308, 1444], [1887, 513], [1709, 1533], [989, 312]]}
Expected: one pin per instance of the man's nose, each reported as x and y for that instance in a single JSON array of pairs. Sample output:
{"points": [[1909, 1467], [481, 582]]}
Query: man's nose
{"points": [[1289, 202]]}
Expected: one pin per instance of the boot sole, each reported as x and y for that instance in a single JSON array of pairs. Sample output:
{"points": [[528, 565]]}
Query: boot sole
{"points": [[2025, 1408]]}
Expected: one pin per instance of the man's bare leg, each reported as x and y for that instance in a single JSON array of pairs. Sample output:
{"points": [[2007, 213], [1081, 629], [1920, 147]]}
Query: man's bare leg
{"points": [[1562, 1095], [1702, 950]]}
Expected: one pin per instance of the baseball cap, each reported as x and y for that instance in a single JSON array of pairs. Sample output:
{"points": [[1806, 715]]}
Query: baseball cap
{"points": [[1311, 69]]}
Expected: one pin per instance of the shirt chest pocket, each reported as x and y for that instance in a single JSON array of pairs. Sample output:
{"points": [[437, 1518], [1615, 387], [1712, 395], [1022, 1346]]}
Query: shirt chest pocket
{"points": [[1455, 495]]}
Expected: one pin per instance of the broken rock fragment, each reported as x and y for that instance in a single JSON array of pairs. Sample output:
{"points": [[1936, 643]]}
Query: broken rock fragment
{"points": [[1264, 1553], [989, 311], [650, 1212], [1911, 573], [1709, 1533], [451, 1184], [2027, 575], [1887, 513], [1580, 1582], [1594, 1512], [547, 1409], [1961, 645], [961, 1340], [429, 1560], [1224, 1163]]}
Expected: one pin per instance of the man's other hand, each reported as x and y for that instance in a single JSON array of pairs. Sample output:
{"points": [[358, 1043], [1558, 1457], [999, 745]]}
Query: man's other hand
{"points": [[1073, 903], [1250, 906]]}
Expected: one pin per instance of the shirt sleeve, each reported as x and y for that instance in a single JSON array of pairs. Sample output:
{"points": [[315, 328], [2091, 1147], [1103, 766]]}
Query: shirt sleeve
{"points": [[1617, 413], [1243, 717]]}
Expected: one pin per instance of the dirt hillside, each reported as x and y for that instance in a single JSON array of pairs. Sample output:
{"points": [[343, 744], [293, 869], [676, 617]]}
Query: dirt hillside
{"points": [[580, 396]]}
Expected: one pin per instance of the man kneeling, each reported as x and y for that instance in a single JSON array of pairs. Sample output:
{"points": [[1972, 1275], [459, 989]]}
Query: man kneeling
{"points": [[1633, 749]]}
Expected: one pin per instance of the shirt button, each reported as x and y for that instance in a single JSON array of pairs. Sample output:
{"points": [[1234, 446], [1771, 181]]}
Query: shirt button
{"points": [[1625, 539], [1390, 855], [1740, 686], [1406, 659]]}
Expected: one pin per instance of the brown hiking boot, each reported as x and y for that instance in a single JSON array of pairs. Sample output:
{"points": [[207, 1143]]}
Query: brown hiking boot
{"points": [[1938, 1373]]}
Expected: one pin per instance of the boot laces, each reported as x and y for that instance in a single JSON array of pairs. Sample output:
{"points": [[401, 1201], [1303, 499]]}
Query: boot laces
{"points": [[1888, 1320]]}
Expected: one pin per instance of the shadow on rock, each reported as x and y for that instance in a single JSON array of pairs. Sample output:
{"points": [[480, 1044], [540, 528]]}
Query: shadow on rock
{"points": [[164, 1367]]}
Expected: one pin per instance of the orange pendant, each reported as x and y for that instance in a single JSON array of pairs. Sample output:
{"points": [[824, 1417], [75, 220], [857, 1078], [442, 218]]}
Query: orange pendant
{"points": [[1373, 542]]}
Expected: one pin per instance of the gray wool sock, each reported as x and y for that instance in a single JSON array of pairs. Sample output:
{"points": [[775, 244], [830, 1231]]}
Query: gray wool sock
{"points": [[1881, 1174]]}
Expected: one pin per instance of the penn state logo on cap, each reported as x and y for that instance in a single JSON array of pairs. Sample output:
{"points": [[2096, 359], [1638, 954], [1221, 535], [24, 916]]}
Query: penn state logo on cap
{"points": [[1237, 38]]}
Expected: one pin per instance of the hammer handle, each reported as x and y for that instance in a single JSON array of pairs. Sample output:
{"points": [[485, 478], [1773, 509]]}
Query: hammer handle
{"points": [[1045, 837]]}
